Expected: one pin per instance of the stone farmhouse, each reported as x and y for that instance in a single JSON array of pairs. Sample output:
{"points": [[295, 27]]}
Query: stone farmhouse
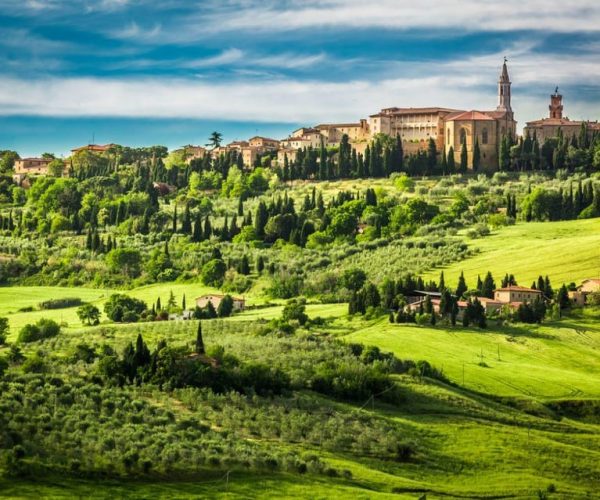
{"points": [[239, 303], [510, 296], [587, 287]]}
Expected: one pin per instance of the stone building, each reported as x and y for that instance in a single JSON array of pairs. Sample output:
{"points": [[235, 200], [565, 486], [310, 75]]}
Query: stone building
{"points": [[486, 128], [548, 128]]}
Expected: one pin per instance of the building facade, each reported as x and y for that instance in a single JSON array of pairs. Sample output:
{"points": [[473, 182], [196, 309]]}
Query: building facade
{"points": [[556, 123], [483, 128]]}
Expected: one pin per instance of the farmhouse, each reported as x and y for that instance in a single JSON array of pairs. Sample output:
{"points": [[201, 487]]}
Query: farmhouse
{"points": [[579, 296], [516, 294], [239, 304], [36, 166]]}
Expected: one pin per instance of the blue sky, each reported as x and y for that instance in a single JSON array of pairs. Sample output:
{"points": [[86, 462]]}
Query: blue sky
{"points": [[141, 72]]}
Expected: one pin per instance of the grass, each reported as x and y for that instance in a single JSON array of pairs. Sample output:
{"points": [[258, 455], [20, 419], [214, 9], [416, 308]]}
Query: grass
{"points": [[566, 251], [468, 445], [12, 299], [549, 361]]}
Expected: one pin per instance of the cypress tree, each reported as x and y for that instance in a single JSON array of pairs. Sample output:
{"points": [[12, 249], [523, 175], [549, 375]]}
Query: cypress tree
{"points": [[476, 155], [461, 288], [174, 226], [199, 340], [207, 229], [450, 163], [464, 156], [240, 210]]}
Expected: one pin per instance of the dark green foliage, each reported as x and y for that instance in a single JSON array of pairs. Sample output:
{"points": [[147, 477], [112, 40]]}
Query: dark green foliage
{"points": [[43, 329], [60, 303], [294, 310], [225, 307], [122, 308]]}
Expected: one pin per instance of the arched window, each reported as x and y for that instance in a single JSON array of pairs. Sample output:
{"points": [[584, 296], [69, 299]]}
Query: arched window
{"points": [[484, 136], [463, 135]]}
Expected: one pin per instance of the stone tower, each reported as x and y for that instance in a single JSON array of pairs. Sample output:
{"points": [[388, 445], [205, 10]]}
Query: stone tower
{"points": [[556, 106], [504, 91]]}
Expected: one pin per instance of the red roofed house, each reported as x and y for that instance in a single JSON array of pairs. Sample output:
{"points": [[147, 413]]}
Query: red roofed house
{"points": [[93, 148]]}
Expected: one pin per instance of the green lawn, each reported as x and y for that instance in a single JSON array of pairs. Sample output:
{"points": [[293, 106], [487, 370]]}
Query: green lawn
{"points": [[553, 360], [566, 251]]}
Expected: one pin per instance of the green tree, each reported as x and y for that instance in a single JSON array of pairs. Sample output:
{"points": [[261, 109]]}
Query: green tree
{"points": [[225, 307], [215, 139], [199, 347], [125, 260], [3, 330], [464, 156], [213, 272], [295, 309], [89, 313], [476, 156]]}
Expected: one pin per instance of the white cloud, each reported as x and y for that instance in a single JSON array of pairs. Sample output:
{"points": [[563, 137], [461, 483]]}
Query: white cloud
{"points": [[468, 15], [228, 56], [469, 83]]}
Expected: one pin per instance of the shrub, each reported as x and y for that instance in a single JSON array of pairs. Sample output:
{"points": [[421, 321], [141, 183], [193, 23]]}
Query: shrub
{"points": [[43, 329], [60, 303], [213, 272], [122, 308]]}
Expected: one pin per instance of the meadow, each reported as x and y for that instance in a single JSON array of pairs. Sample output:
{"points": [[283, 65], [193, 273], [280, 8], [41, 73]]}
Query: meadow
{"points": [[566, 251]]}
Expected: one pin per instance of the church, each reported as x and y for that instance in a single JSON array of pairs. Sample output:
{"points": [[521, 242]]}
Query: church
{"points": [[485, 128], [548, 128], [451, 127]]}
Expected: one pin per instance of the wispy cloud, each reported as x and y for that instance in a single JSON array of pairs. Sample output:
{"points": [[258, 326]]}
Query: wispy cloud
{"points": [[469, 15]]}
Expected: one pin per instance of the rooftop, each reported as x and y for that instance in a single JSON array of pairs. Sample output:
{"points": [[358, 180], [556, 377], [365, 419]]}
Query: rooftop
{"points": [[469, 115], [516, 288]]}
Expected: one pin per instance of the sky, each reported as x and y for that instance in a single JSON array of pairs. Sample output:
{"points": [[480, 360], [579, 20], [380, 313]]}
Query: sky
{"points": [[144, 72]]}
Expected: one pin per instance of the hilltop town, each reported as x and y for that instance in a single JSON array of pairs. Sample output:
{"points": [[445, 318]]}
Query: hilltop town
{"points": [[477, 139]]}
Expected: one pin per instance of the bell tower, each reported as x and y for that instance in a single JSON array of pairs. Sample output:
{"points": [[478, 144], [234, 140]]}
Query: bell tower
{"points": [[556, 106], [504, 90]]}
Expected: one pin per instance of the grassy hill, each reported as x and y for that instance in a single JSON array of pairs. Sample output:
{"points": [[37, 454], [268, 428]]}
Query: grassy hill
{"points": [[566, 251], [468, 445], [553, 360]]}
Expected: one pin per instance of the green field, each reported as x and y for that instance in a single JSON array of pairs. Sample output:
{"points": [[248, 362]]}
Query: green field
{"points": [[566, 251], [553, 360]]}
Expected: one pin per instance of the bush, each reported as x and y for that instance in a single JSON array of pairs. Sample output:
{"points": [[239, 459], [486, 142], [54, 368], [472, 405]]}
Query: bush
{"points": [[213, 272], [60, 303], [122, 308], [43, 329]]}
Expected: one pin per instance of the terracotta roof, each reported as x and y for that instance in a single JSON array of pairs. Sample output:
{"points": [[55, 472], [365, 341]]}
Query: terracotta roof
{"points": [[93, 147], [263, 138], [515, 288], [336, 125], [218, 295], [469, 115]]}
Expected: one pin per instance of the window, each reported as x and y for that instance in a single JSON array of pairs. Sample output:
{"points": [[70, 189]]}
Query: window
{"points": [[463, 135], [484, 136]]}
